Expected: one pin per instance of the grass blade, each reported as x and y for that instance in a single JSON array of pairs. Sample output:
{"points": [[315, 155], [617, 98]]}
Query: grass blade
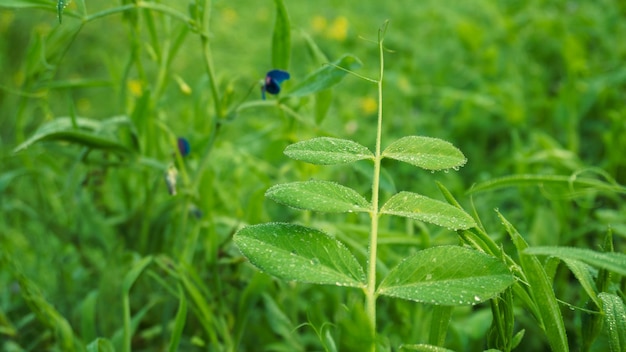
{"points": [[541, 291], [326, 77], [179, 323], [615, 318], [127, 284], [281, 39], [615, 262]]}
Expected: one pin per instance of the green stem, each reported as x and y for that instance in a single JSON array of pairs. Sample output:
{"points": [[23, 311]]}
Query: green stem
{"points": [[370, 301]]}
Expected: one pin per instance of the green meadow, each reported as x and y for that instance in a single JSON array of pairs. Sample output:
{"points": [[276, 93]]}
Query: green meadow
{"points": [[431, 176]]}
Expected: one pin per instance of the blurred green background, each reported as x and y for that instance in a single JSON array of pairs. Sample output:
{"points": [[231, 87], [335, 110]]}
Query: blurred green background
{"points": [[521, 87]]}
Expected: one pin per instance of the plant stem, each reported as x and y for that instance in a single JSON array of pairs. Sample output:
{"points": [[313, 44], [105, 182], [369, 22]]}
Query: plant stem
{"points": [[371, 296]]}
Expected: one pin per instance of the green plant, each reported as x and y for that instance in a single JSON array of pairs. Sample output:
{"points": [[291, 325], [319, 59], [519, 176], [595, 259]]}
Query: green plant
{"points": [[444, 275], [96, 255]]}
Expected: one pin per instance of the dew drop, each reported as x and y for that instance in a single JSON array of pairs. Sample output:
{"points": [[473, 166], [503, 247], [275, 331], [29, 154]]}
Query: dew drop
{"points": [[477, 299]]}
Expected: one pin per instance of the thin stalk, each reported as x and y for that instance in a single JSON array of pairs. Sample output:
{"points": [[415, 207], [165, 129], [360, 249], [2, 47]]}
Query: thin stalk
{"points": [[370, 300]]}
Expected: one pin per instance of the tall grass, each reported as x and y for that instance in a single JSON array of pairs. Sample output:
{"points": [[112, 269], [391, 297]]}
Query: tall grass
{"points": [[95, 254]]}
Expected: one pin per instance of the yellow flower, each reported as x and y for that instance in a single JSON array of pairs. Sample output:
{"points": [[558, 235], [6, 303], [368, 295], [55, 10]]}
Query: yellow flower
{"points": [[369, 105], [338, 30], [135, 87]]}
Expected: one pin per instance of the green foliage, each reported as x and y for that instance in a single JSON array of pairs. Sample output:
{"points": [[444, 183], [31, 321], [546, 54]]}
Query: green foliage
{"points": [[444, 275], [427, 153], [447, 275], [325, 77], [328, 151], [294, 252], [97, 255], [319, 196]]}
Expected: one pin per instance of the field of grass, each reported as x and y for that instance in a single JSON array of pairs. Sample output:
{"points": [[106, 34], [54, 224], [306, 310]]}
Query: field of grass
{"points": [[112, 240]]}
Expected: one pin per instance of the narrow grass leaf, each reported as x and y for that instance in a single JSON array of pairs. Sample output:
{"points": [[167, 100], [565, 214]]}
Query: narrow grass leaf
{"points": [[280, 324], [574, 183], [100, 345], [88, 316], [179, 322], [615, 320], [46, 313], [426, 152], [326, 77], [323, 99], [439, 324], [127, 284], [323, 196], [422, 347], [297, 253], [541, 291], [447, 275], [281, 38], [45, 4], [202, 304], [328, 151], [582, 273], [615, 262], [90, 133], [418, 207]]}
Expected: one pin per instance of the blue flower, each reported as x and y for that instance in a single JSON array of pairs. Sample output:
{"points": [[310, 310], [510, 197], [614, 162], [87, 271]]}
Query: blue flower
{"points": [[183, 146], [272, 82]]}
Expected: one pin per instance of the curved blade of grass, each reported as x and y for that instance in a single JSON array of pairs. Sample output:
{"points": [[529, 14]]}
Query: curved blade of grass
{"points": [[46, 313], [323, 99], [328, 151], [45, 4], [447, 275], [530, 180], [127, 284], [326, 77], [179, 322], [88, 316], [615, 319], [583, 275], [86, 132], [100, 345], [281, 38], [319, 196], [426, 152], [418, 207], [615, 262], [422, 347], [541, 291], [297, 253], [439, 324]]}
